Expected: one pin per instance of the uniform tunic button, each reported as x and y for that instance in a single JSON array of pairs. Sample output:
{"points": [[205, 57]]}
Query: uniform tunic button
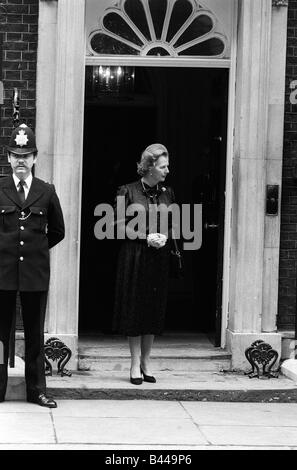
{"points": [[21, 243], [40, 212], [22, 228], [21, 258], [23, 214], [3, 210]]}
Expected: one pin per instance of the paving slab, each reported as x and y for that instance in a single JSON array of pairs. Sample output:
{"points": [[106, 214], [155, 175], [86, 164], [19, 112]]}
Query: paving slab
{"points": [[27, 427], [133, 431], [120, 409], [21, 406], [217, 414], [250, 435], [148, 425]]}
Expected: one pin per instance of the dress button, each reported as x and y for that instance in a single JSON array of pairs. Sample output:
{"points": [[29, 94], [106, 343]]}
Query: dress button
{"points": [[23, 214], [22, 228], [21, 242], [21, 258], [40, 212], [3, 210]]}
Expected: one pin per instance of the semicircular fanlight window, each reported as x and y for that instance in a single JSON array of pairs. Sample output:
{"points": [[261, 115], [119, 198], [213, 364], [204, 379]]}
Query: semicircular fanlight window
{"points": [[199, 27], [158, 51], [181, 11], [211, 47], [135, 11], [101, 42], [158, 11], [159, 28], [117, 25]]}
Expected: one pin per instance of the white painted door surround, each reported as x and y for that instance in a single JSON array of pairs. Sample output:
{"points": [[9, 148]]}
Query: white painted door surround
{"points": [[254, 160]]}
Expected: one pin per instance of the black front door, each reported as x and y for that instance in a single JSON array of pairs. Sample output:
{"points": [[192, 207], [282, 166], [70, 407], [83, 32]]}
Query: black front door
{"points": [[186, 110]]}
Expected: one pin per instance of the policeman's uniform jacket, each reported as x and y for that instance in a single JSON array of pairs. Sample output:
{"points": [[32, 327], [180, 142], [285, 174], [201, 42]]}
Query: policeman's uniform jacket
{"points": [[27, 232]]}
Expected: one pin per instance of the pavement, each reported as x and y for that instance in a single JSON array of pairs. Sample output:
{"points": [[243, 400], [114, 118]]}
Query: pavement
{"points": [[151, 425], [196, 404]]}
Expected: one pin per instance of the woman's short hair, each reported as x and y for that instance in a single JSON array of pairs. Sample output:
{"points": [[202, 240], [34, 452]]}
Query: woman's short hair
{"points": [[150, 156]]}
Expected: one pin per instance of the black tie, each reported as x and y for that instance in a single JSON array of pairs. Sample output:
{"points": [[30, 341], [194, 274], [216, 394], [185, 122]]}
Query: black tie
{"points": [[21, 191]]}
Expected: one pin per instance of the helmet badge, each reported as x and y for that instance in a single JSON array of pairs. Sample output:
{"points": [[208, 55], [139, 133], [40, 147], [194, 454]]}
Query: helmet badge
{"points": [[21, 138]]}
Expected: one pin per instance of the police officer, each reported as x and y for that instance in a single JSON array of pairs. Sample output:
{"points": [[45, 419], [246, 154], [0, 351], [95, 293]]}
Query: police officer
{"points": [[31, 222]]}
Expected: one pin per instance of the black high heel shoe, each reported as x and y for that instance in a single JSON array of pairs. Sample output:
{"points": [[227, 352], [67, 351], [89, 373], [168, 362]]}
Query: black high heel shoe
{"points": [[148, 378], [136, 380]]}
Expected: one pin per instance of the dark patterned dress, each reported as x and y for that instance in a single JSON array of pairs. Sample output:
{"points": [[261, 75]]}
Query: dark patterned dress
{"points": [[143, 271]]}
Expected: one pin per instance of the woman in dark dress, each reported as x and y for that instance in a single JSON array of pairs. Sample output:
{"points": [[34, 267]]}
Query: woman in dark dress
{"points": [[143, 264]]}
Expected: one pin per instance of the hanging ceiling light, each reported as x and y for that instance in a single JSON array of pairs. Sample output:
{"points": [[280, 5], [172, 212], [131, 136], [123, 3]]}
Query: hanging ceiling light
{"points": [[112, 79]]}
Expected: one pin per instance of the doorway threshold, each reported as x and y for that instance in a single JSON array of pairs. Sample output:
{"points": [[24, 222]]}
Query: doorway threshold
{"points": [[171, 351], [187, 367]]}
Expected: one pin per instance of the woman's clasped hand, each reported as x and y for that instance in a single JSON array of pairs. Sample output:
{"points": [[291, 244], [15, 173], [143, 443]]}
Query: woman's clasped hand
{"points": [[156, 240]]}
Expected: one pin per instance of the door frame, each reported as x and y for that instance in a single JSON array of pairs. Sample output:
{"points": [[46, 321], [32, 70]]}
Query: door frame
{"points": [[62, 54], [254, 158], [182, 62], [219, 271]]}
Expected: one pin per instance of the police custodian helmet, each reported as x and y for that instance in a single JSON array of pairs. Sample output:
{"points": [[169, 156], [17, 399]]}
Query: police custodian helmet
{"points": [[22, 140]]}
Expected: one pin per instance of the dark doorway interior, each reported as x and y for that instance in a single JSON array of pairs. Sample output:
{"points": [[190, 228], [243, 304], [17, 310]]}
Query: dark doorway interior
{"points": [[186, 109]]}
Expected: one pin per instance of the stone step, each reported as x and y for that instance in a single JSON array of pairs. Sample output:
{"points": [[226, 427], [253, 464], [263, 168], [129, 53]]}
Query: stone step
{"points": [[164, 363], [207, 386], [171, 352]]}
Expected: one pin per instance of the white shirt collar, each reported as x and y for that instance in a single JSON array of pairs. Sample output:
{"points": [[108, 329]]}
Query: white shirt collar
{"points": [[28, 180]]}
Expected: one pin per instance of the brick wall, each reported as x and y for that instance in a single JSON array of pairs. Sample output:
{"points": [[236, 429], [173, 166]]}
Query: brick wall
{"points": [[288, 251], [19, 27]]}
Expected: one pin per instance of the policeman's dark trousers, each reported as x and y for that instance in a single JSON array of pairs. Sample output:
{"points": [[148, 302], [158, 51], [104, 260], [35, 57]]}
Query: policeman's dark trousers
{"points": [[33, 314]]}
